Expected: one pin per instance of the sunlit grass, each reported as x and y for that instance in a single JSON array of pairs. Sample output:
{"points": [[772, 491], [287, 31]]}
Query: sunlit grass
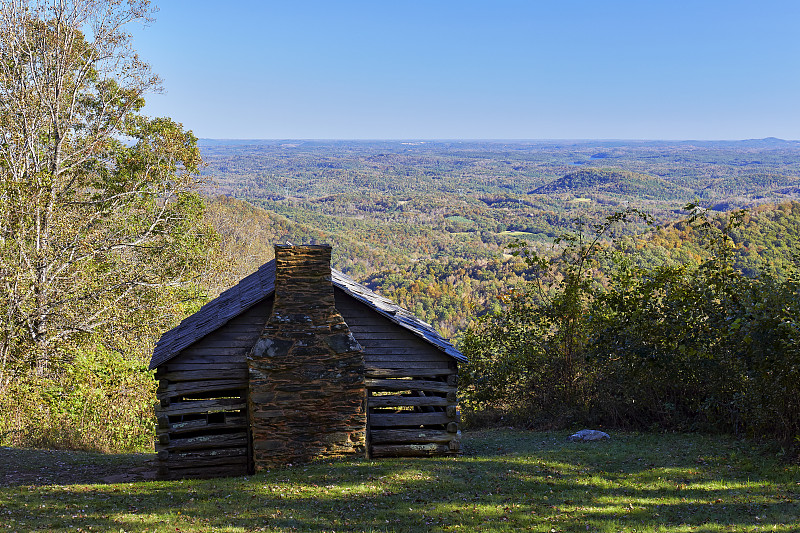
{"points": [[506, 481]]}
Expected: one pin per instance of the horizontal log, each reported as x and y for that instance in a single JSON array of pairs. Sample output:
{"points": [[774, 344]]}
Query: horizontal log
{"points": [[205, 461], [215, 355], [377, 372], [407, 401], [407, 419], [204, 374], [248, 320], [409, 450], [240, 328], [393, 342], [385, 327], [234, 332], [426, 350], [403, 354], [407, 384], [254, 316], [202, 406], [195, 454], [382, 436], [380, 362], [365, 320], [199, 387], [180, 365], [203, 442], [236, 421], [213, 342], [237, 334]]}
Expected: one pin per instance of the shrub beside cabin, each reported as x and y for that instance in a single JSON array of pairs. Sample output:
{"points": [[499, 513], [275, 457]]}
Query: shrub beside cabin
{"points": [[299, 362]]}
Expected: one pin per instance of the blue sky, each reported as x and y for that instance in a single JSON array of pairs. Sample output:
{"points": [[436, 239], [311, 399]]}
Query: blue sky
{"points": [[494, 69]]}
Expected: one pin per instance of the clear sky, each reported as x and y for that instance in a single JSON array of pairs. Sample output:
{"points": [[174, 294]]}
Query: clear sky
{"points": [[491, 69]]}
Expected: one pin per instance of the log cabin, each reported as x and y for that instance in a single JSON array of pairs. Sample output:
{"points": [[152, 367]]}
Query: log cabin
{"points": [[299, 362]]}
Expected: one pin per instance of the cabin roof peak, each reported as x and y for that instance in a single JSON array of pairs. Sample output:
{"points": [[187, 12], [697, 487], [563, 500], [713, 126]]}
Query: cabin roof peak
{"points": [[260, 285]]}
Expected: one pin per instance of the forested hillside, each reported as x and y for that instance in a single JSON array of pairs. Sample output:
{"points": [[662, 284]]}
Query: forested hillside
{"points": [[429, 224]]}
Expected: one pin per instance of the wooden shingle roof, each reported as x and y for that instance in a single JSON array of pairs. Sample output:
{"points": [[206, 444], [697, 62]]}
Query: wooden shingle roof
{"points": [[260, 285]]}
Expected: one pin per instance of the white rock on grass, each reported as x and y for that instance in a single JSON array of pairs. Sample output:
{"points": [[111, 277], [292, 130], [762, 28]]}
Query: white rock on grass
{"points": [[588, 435]]}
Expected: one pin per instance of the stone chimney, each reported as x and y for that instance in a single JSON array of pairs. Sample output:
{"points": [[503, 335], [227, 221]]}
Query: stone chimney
{"points": [[307, 394]]}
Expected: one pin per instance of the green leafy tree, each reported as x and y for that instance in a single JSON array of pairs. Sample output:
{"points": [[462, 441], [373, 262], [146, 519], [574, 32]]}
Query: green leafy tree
{"points": [[530, 356], [98, 214]]}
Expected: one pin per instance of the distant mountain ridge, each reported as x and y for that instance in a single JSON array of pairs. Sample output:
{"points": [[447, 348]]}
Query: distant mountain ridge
{"points": [[613, 181], [766, 142]]}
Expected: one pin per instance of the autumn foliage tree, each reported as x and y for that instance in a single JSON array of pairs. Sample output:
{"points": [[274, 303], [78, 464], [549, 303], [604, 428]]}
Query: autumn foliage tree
{"points": [[599, 339], [100, 224]]}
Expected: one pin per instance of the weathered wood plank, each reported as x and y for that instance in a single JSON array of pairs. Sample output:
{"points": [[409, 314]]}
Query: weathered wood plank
{"points": [[210, 461], [394, 364], [407, 419], [232, 328], [195, 454], [377, 372], [407, 384], [233, 335], [367, 339], [409, 450], [383, 328], [407, 401], [202, 406], [214, 355], [215, 341], [199, 387], [383, 436], [204, 442], [249, 318], [402, 354], [204, 374], [233, 420], [177, 366]]}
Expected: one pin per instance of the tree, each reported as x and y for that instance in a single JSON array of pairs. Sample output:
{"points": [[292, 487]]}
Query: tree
{"points": [[97, 205], [530, 356]]}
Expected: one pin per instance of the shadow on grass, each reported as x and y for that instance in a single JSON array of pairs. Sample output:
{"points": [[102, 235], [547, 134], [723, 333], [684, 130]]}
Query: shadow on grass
{"points": [[507, 481], [24, 466]]}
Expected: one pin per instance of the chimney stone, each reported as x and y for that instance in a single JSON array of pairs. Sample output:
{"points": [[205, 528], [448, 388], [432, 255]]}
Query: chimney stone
{"points": [[307, 393]]}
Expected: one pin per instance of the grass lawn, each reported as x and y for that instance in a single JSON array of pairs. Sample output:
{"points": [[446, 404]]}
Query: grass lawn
{"points": [[506, 481]]}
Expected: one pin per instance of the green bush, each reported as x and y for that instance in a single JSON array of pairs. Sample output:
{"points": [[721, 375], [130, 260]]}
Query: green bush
{"points": [[102, 401], [691, 346]]}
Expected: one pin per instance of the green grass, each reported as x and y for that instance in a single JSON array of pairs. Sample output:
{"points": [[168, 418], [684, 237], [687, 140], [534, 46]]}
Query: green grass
{"points": [[506, 481]]}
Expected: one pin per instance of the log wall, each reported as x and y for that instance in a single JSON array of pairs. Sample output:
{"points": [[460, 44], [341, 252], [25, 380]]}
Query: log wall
{"points": [[203, 428], [202, 412], [411, 387]]}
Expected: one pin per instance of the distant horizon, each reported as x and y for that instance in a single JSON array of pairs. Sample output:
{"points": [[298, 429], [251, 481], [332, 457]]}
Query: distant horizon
{"points": [[511, 140]]}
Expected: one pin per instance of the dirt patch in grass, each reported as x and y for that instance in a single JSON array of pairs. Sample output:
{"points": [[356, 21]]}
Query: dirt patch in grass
{"points": [[21, 466]]}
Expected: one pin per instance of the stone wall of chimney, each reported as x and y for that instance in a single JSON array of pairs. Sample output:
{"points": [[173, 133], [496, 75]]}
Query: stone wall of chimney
{"points": [[307, 394]]}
